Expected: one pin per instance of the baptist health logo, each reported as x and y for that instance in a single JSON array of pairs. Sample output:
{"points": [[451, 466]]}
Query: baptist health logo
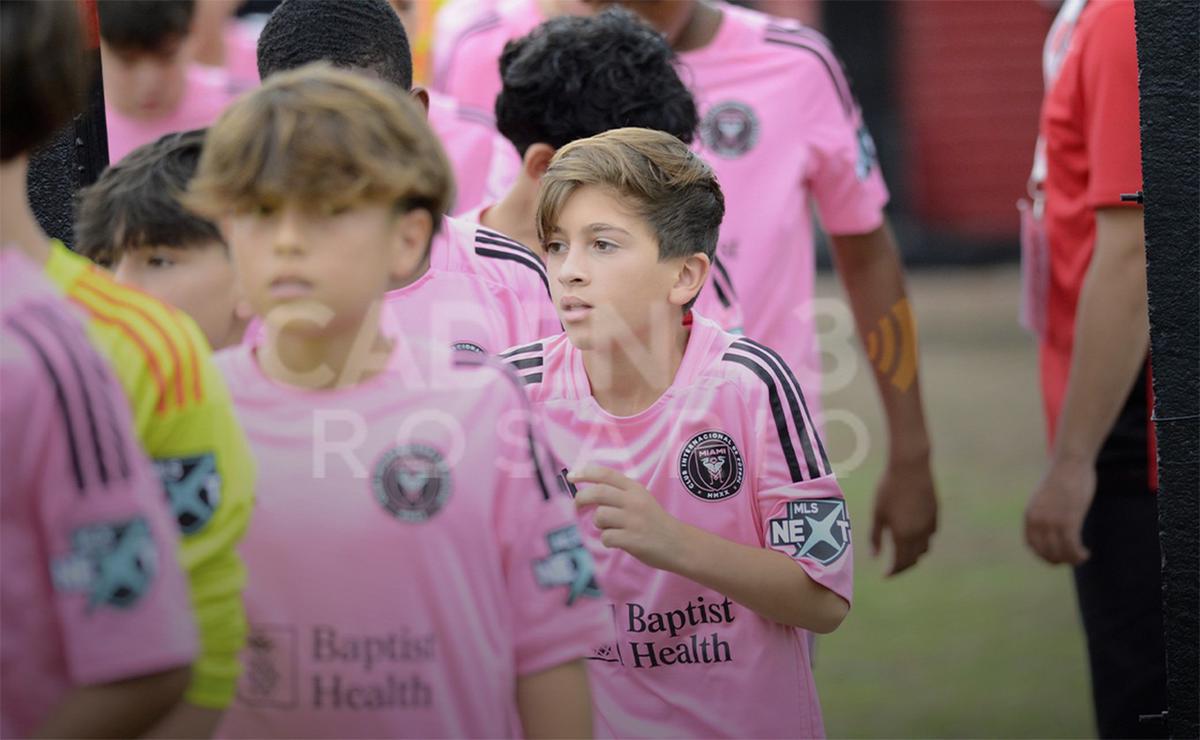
{"points": [[892, 345]]}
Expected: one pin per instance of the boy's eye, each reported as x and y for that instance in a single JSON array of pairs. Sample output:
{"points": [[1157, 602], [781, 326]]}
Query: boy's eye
{"points": [[555, 247], [604, 246], [159, 261], [262, 209]]}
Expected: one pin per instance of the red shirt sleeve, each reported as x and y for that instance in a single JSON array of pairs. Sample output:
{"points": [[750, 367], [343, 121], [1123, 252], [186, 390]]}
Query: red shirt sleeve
{"points": [[1110, 89]]}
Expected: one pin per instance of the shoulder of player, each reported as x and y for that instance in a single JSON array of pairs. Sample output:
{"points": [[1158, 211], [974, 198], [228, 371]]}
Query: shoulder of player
{"points": [[807, 51], [773, 392], [507, 260], [146, 330], [530, 361]]}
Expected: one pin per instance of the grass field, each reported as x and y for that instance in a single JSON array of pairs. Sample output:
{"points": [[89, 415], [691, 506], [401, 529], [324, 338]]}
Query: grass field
{"points": [[980, 640]]}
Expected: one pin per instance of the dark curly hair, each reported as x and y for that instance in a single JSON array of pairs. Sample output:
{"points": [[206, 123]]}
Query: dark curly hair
{"points": [[351, 34], [574, 77]]}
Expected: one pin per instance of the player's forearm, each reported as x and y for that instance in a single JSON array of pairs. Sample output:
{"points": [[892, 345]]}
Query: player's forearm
{"points": [[120, 709], [556, 702], [873, 277], [767, 582], [1112, 334]]}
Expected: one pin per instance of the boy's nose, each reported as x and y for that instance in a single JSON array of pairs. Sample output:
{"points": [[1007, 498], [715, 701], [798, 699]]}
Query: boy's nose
{"points": [[574, 267]]}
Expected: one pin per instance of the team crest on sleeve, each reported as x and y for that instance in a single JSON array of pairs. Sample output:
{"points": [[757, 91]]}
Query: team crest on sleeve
{"points": [[193, 488], [711, 467], [568, 564], [412, 482], [730, 129], [817, 529], [114, 563]]}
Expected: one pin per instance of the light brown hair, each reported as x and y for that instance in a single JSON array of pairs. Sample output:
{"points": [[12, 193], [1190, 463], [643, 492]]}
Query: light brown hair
{"points": [[654, 173], [322, 136]]}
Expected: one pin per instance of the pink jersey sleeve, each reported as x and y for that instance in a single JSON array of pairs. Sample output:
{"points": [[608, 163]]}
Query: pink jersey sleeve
{"points": [[560, 614], [844, 174], [92, 503], [800, 505]]}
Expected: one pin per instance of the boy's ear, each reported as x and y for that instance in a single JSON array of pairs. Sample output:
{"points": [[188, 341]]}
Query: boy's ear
{"points": [[537, 160], [693, 273], [421, 95], [410, 243]]}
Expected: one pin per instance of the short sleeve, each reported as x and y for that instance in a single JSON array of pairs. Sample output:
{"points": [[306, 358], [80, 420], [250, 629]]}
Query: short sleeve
{"points": [[843, 174], [1110, 97], [207, 471], [800, 507], [120, 599], [558, 612]]}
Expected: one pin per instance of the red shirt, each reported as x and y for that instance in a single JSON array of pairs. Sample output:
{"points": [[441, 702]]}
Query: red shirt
{"points": [[1090, 124]]}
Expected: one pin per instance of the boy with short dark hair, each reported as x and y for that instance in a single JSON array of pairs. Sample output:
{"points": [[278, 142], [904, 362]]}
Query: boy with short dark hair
{"points": [[151, 84], [479, 290], [131, 220], [422, 576], [698, 466], [575, 77]]}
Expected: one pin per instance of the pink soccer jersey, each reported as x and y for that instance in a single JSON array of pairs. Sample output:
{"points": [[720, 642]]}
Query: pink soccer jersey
{"points": [[472, 145], [92, 591], [411, 553], [208, 92], [730, 448], [781, 128], [483, 292]]}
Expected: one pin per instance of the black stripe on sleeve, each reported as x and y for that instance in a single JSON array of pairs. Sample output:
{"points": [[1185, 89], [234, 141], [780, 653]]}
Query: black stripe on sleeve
{"points": [[843, 89], [531, 379], [782, 367], [785, 438], [61, 397], [483, 231], [535, 347], [525, 363], [798, 419], [531, 261], [720, 266], [86, 390], [724, 299]]}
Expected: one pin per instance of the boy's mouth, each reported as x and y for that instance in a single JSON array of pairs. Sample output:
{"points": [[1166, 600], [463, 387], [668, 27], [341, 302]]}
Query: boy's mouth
{"points": [[573, 309], [283, 288]]}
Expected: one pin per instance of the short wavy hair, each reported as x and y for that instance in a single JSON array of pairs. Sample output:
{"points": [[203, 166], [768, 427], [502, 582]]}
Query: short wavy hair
{"points": [[574, 77]]}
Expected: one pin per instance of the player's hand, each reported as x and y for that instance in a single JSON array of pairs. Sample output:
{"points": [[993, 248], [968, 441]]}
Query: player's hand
{"points": [[906, 506], [1054, 516], [628, 516]]}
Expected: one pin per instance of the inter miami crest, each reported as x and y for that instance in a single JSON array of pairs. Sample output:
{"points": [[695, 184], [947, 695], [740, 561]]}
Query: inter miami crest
{"points": [[817, 529], [193, 489], [467, 347], [730, 129], [113, 562], [711, 467], [412, 482], [867, 155]]}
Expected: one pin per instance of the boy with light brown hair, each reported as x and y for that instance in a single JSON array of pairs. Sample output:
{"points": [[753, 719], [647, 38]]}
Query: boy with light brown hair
{"points": [[329, 186]]}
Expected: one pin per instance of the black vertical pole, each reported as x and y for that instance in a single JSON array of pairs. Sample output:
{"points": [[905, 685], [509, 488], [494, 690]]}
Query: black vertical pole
{"points": [[1170, 100], [74, 157]]}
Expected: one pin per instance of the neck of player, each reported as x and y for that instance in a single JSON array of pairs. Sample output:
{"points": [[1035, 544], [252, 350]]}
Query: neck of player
{"points": [[18, 226], [329, 360], [514, 215], [627, 380], [701, 28]]}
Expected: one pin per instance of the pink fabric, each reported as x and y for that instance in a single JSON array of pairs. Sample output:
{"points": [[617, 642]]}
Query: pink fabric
{"points": [[241, 52], [79, 502], [483, 292], [780, 127], [472, 145], [728, 448], [403, 553], [208, 92]]}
